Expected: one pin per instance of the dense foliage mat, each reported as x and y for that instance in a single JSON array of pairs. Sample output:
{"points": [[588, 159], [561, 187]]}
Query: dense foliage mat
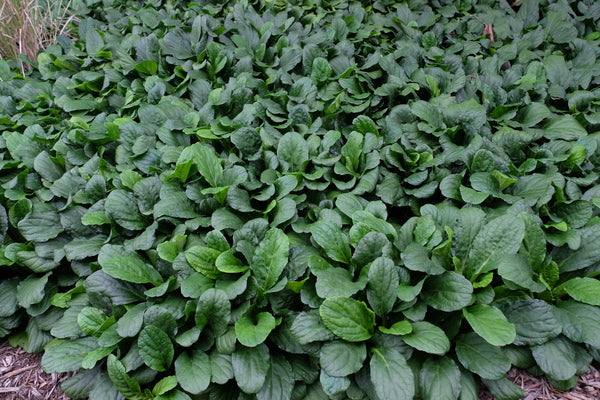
{"points": [[305, 200]]}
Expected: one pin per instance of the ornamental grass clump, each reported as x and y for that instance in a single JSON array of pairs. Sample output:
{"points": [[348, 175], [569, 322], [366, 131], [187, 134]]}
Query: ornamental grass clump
{"points": [[28, 26]]}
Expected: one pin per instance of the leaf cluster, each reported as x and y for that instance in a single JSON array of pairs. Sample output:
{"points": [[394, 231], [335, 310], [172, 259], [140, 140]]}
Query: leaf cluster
{"points": [[305, 200]]}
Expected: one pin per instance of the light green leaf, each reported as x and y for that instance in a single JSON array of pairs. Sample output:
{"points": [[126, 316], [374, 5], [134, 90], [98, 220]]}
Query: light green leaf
{"points": [[439, 379], [428, 338], [203, 259], [205, 159], [250, 367], [391, 377], [583, 289], [331, 238], [193, 371], [347, 318], [398, 328], [252, 334], [447, 292], [491, 324], [270, 258], [93, 321], [156, 348], [131, 268], [340, 359], [480, 357]]}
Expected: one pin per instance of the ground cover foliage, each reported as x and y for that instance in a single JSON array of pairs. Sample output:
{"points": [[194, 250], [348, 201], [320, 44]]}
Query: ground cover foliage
{"points": [[305, 200]]}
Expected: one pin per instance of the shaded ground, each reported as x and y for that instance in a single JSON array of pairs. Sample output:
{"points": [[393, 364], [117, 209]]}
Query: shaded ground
{"points": [[22, 378]]}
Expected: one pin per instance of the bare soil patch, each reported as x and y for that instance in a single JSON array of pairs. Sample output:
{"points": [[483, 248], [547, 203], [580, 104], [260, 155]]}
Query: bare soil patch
{"points": [[22, 378]]}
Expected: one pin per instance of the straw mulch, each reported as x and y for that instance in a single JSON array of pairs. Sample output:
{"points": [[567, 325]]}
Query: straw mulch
{"points": [[22, 378]]}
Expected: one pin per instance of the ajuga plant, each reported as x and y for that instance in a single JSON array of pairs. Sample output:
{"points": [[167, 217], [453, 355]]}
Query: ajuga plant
{"points": [[281, 200]]}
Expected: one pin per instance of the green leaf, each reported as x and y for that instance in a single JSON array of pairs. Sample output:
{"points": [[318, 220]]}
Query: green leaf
{"points": [[383, 284], [583, 289], [203, 259], [205, 159], [121, 207], [439, 379], [213, 309], [428, 338], [556, 358], [156, 348], [251, 334], [308, 327], [564, 127], [40, 226], [342, 359], [334, 281], [270, 258], [128, 386], [534, 320], [491, 324], [398, 328], [164, 385], [250, 367], [478, 356], [391, 377], [498, 238], [347, 318], [193, 371], [67, 355], [447, 292], [30, 290], [279, 382], [131, 269], [514, 268], [331, 238], [93, 321], [293, 151], [580, 322], [503, 389], [147, 67]]}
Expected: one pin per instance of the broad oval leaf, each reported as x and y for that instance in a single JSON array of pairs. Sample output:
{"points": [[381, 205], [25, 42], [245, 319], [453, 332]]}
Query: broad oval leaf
{"points": [[347, 318], [251, 334], [439, 379], [583, 289], [428, 338], [193, 371], [250, 367], [447, 292], [331, 238], [156, 348], [342, 359], [391, 376], [270, 258], [491, 324], [478, 356], [498, 238]]}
